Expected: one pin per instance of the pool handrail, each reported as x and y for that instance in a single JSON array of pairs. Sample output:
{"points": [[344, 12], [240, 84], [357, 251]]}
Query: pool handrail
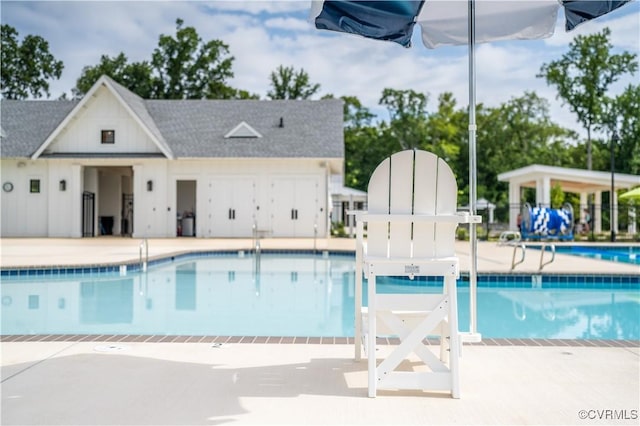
{"points": [[143, 265], [543, 246]]}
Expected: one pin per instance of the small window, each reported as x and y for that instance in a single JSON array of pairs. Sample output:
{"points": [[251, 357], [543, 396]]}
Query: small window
{"points": [[108, 136], [34, 186]]}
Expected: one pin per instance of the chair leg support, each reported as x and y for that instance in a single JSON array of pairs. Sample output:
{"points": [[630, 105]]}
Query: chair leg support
{"points": [[454, 339], [373, 379], [444, 318]]}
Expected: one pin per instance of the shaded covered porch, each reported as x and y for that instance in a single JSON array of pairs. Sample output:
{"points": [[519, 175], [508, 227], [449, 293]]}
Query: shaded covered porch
{"points": [[582, 182]]}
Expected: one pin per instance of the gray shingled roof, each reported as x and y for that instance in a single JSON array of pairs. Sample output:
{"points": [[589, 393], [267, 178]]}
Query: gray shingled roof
{"points": [[137, 105], [196, 128], [27, 124]]}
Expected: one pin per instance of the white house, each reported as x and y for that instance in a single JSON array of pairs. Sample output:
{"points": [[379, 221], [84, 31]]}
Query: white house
{"points": [[114, 163]]}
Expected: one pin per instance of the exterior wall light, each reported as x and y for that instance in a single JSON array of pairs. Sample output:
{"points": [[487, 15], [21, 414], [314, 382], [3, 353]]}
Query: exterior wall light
{"points": [[63, 185], [149, 185]]}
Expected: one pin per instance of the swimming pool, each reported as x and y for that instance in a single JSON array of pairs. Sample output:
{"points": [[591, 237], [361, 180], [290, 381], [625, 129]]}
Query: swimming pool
{"points": [[615, 253], [299, 295]]}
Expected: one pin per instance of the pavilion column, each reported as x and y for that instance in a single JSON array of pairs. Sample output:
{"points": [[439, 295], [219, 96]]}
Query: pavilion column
{"points": [[543, 192], [514, 204], [614, 214], [76, 187], [597, 220], [583, 205], [139, 223], [349, 219]]}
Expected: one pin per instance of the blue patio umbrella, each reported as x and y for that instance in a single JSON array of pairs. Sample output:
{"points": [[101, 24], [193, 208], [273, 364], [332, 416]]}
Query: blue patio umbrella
{"points": [[458, 22]]}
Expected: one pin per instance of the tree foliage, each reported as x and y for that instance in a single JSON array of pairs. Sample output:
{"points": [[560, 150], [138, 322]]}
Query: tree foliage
{"points": [[186, 67], [515, 134], [362, 143], [583, 75], [136, 76], [27, 66], [445, 132], [182, 67], [621, 124], [287, 83], [407, 127], [628, 155]]}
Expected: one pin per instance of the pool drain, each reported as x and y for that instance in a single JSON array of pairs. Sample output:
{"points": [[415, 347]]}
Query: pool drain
{"points": [[111, 348]]}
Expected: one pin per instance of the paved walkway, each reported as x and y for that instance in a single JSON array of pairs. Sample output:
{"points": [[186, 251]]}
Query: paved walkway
{"points": [[21, 252]]}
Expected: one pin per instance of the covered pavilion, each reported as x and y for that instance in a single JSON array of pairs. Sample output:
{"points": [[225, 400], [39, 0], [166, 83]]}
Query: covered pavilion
{"points": [[583, 182]]}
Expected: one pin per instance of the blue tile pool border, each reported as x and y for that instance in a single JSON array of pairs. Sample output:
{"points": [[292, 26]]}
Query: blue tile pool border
{"points": [[489, 279]]}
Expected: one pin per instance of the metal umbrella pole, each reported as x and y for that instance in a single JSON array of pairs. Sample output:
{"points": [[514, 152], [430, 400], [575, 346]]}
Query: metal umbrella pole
{"points": [[473, 335]]}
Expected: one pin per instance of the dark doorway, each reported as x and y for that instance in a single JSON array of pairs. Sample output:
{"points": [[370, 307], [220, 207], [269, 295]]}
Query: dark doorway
{"points": [[88, 213], [126, 228]]}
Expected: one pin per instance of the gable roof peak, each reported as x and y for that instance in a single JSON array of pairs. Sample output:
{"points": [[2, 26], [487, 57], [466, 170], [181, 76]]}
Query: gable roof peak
{"points": [[133, 103]]}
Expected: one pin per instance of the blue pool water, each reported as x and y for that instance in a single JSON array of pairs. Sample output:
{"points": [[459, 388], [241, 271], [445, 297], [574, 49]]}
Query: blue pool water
{"points": [[615, 253], [298, 295]]}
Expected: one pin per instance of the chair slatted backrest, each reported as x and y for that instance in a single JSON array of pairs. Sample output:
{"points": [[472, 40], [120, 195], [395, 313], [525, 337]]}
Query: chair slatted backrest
{"points": [[412, 182]]}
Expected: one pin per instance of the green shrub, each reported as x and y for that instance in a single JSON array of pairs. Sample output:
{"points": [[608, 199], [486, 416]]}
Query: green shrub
{"points": [[337, 230]]}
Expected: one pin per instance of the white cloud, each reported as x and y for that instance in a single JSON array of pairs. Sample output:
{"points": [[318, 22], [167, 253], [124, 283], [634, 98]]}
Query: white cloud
{"points": [[289, 24], [265, 34]]}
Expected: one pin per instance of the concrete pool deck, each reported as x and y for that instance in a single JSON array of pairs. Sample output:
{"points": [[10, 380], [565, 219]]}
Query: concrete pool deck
{"points": [[81, 383], [30, 252], [103, 381]]}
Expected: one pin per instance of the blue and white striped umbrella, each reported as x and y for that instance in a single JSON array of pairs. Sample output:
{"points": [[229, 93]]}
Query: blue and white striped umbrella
{"points": [[458, 22], [447, 22]]}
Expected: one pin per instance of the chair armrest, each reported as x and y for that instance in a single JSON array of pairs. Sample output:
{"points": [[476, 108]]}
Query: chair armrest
{"points": [[469, 218], [459, 217]]}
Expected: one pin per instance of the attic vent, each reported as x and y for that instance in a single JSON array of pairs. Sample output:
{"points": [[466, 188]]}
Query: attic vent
{"points": [[243, 130]]}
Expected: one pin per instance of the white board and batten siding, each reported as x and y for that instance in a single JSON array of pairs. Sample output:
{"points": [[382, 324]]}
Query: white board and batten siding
{"points": [[24, 213], [102, 112]]}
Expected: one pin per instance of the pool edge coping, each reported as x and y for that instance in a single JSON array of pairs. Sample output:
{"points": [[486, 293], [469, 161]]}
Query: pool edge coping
{"points": [[136, 266], [226, 340]]}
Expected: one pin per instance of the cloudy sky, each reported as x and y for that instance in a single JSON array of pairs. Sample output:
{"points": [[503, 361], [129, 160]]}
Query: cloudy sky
{"points": [[265, 34]]}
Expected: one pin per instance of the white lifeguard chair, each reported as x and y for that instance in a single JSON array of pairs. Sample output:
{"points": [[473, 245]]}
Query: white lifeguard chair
{"points": [[411, 225]]}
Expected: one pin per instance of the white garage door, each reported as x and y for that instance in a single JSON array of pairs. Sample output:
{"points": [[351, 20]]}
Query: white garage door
{"points": [[230, 207], [294, 206]]}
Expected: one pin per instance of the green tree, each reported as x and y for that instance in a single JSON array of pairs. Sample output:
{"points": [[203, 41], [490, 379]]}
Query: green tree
{"points": [[363, 146], [515, 134], [181, 67], [528, 134], [407, 127], [26, 66], [445, 128], [136, 76], [583, 75], [186, 67], [627, 121], [287, 83], [557, 196]]}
